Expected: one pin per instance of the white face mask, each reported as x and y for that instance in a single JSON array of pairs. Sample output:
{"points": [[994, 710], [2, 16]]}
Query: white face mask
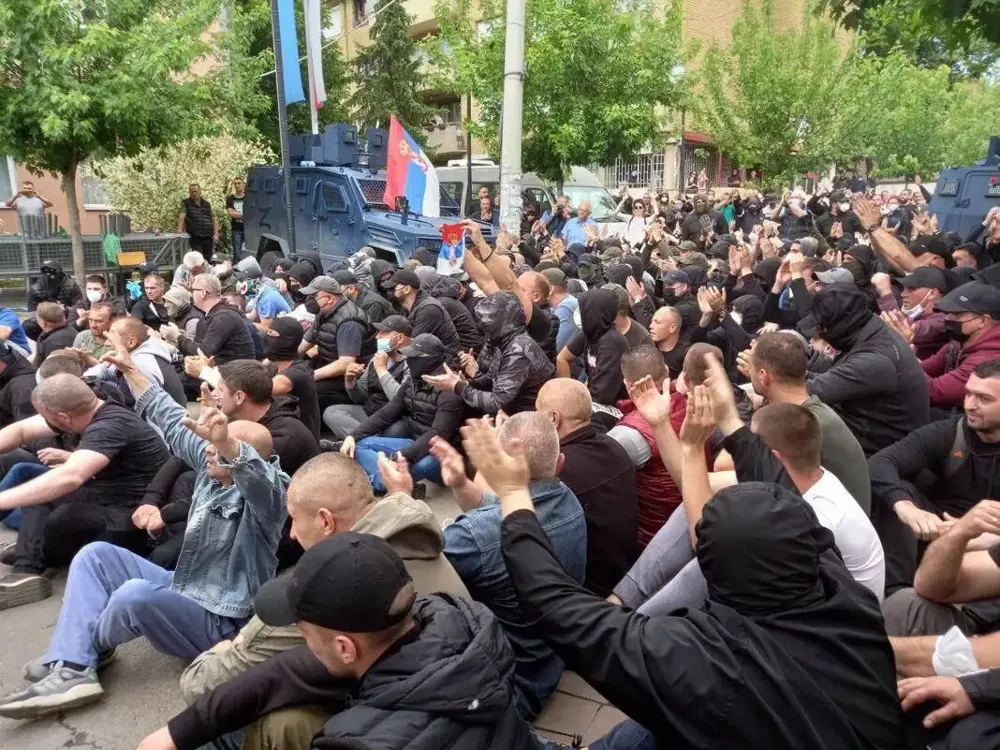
{"points": [[845, 207], [737, 317], [766, 212], [917, 310], [95, 296]]}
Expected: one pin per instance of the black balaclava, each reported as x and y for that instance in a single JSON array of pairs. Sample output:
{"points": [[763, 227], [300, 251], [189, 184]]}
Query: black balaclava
{"points": [[635, 263], [598, 310], [863, 265], [841, 312], [767, 271], [500, 316], [424, 365], [619, 273], [285, 346], [752, 310]]}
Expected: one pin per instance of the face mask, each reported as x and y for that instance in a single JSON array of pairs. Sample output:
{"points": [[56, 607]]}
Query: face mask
{"points": [[737, 317], [312, 306], [914, 312], [953, 330], [95, 296], [845, 207], [856, 269], [669, 296], [280, 348], [766, 212], [794, 203], [384, 345]]}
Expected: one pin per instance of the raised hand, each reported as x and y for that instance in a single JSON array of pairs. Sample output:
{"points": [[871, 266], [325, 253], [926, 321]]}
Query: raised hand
{"points": [[452, 466], [698, 419], [653, 405], [504, 471], [395, 474], [212, 425], [868, 212], [900, 324]]}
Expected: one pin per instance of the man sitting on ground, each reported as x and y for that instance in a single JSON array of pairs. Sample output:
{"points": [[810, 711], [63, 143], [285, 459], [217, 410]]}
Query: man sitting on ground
{"points": [[93, 338], [17, 381], [113, 596], [56, 332], [292, 375], [472, 546], [223, 335], [408, 525]]}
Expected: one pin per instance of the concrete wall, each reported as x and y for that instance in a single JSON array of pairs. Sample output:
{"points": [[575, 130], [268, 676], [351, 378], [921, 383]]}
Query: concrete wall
{"points": [[48, 186]]}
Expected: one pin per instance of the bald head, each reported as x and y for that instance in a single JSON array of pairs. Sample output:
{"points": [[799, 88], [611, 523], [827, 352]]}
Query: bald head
{"points": [[254, 434], [64, 394], [535, 285], [668, 315], [132, 330], [539, 440], [566, 402], [335, 482]]}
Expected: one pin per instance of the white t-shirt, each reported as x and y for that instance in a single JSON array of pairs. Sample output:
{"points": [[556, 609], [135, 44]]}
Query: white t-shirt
{"points": [[29, 206], [853, 532]]}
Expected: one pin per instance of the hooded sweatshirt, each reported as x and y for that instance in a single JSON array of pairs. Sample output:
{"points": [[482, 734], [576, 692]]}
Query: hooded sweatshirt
{"points": [[294, 442], [155, 361], [447, 291], [603, 346], [54, 286], [789, 653], [407, 524], [948, 371], [875, 384], [512, 366], [17, 381]]}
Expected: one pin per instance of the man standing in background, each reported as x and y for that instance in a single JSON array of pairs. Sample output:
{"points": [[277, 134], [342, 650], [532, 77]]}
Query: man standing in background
{"points": [[197, 220], [234, 207]]}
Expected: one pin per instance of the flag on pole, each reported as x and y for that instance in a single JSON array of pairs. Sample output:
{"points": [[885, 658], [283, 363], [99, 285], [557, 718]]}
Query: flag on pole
{"points": [[410, 173], [314, 51], [290, 52]]}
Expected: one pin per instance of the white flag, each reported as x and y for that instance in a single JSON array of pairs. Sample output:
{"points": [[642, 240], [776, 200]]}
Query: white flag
{"points": [[314, 51]]}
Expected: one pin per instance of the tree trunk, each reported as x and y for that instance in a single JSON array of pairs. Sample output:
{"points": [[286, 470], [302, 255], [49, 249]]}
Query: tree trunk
{"points": [[75, 230]]}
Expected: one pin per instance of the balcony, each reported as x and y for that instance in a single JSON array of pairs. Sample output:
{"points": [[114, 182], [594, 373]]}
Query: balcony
{"points": [[447, 139]]}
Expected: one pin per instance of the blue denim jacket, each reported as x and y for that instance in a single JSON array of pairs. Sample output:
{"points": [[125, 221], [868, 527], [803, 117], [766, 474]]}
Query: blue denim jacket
{"points": [[472, 546], [232, 532]]}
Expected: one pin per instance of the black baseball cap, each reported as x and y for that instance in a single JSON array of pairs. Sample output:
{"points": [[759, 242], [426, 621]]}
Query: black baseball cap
{"points": [[425, 345], [975, 297], [345, 277], [323, 284], [676, 277], [394, 324], [348, 582], [926, 277], [404, 277]]}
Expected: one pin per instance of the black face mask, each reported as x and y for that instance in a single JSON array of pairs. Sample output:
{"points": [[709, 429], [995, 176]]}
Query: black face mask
{"points": [[669, 296], [312, 306], [953, 330], [280, 348], [420, 366]]}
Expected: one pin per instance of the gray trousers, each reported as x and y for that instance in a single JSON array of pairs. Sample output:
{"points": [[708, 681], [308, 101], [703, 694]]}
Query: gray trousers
{"points": [[343, 419]]}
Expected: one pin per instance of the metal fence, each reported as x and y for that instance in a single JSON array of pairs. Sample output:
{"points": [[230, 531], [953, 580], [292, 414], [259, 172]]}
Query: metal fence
{"points": [[640, 170]]}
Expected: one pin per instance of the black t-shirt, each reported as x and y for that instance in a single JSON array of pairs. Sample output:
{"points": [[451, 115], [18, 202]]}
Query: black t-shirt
{"points": [[236, 204], [304, 389], [637, 335], [197, 217], [674, 359], [135, 450]]}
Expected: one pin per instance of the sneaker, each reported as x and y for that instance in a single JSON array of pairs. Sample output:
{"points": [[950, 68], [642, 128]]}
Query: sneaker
{"points": [[38, 670], [330, 446], [8, 553], [419, 491], [61, 689], [23, 588]]}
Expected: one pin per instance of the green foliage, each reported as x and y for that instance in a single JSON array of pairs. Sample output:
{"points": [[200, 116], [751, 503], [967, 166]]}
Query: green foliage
{"points": [[775, 99], [388, 75], [948, 20], [248, 87], [596, 75], [150, 186]]}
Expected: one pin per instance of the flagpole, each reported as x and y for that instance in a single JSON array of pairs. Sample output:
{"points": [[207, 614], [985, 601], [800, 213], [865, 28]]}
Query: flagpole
{"points": [[286, 161]]}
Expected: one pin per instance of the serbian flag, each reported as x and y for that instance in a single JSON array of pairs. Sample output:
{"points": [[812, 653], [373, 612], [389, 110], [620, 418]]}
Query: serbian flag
{"points": [[410, 174], [452, 249]]}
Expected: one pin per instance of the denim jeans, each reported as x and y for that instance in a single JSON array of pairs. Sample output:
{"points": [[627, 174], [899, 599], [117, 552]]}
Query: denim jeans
{"points": [[237, 245], [114, 596], [366, 453], [626, 736], [19, 474]]}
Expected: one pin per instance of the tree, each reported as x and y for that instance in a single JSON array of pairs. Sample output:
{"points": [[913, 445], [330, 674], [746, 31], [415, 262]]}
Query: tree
{"points": [[149, 186], [597, 75], [88, 80], [776, 99], [388, 77], [946, 18], [248, 85]]}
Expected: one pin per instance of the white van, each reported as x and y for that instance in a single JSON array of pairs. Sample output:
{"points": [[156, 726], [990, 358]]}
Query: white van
{"points": [[581, 185]]}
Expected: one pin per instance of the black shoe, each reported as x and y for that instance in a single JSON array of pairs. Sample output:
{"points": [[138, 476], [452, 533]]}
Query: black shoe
{"points": [[330, 446], [419, 491], [23, 588], [8, 553]]}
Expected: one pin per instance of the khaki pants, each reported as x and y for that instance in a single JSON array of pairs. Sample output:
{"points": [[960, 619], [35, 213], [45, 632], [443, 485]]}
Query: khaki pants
{"points": [[288, 729]]}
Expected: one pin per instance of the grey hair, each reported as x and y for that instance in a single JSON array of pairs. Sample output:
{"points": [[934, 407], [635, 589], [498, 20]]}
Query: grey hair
{"points": [[539, 438], [64, 393], [211, 283]]}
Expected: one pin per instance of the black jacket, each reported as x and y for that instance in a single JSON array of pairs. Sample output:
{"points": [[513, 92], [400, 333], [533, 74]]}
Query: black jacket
{"points": [[544, 329], [427, 413], [171, 490], [153, 314], [50, 341], [222, 334], [55, 288], [294, 443], [512, 366], [691, 226], [446, 684], [604, 348], [957, 485], [427, 315], [17, 382], [602, 477], [876, 383], [849, 224], [325, 326], [784, 663], [376, 307], [447, 291]]}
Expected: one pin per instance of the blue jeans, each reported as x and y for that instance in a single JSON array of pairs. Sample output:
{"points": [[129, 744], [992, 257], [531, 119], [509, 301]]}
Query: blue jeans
{"points": [[366, 453], [237, 245], [114, 596], [626, 736], [19, 474]]}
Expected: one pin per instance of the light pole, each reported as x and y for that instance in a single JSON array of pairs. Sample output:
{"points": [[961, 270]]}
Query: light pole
{"points": [[676, 73], [510, 131]]}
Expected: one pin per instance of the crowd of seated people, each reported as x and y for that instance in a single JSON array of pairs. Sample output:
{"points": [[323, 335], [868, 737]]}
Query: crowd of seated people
{"points": [[738, 472]]}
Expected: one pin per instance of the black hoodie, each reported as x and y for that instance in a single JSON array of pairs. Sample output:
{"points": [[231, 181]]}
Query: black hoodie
{"points": [[876, 383], [448, 683], [17, 382], [447, 290], [603, 346], [294, 443], [55, 286], [789, 653]]}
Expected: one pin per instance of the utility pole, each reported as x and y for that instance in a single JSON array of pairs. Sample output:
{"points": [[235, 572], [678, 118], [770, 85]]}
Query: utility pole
{"points": [[510, 131], [286, 160]]}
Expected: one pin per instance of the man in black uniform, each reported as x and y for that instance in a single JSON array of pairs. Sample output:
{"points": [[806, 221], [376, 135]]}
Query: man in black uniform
{"points": [[197, 220]]}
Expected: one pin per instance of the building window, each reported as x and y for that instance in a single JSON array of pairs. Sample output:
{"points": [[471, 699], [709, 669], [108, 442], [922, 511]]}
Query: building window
{"points": [[362, 10], [335, 23], [451, 113], [94, 196], [8, 179]]}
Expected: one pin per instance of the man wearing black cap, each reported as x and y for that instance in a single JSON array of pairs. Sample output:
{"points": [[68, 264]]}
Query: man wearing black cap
{"points": [[371, 387], [376, 307], [426, 413], [343, 334], [397, 670], [839, 221], [917, 321], [677, 294], [971, 315], [425, 313]]}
